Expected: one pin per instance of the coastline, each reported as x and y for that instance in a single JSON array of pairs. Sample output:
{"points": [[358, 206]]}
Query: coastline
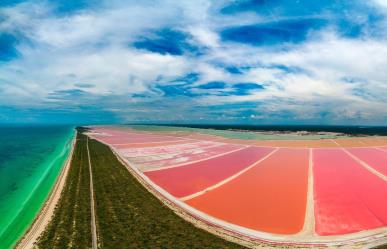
{"points": [[47, 210]]}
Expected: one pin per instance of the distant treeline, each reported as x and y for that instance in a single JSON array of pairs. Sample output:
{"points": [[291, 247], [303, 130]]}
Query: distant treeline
{"points": [[349, 130]]}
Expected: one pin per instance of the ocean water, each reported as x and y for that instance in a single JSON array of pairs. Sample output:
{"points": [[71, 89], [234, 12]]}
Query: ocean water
{"points": [[30, 161]]}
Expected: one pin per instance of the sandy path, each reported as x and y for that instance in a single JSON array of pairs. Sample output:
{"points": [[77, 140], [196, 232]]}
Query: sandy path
{"points": [[46, 213], [365, 165], [186, 198], [92, 205], [309, 222]]}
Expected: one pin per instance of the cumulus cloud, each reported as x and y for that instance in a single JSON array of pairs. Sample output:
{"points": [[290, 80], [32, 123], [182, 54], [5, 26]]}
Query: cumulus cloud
{"points": [[159, 61]]}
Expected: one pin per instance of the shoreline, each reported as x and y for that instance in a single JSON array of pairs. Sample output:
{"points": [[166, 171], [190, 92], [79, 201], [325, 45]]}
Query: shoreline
{"points": [[346, 130], [47, 210], [235, 132]]}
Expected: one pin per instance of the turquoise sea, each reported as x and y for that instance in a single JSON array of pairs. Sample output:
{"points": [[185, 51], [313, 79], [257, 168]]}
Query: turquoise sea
{"points": [[30, 161]]}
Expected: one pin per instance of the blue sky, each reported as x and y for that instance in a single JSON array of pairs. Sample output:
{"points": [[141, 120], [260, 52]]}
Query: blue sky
{"points": [[247, 61]]}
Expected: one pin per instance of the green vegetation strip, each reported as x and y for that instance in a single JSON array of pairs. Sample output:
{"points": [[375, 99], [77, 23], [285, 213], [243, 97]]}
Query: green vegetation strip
{"points": [[70, 226], [128, 216]]}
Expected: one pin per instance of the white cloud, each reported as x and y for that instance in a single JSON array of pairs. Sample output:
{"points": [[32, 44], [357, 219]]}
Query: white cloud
{"points": [[204, 36], [328, 73], [381, 3]]}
